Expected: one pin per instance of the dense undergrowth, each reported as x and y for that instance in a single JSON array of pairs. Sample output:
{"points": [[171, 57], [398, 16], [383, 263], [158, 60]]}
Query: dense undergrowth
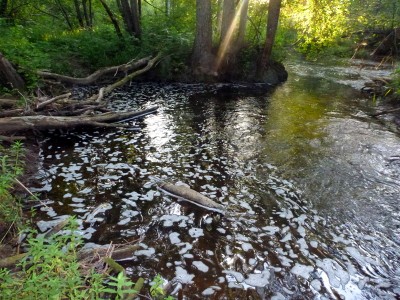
{"points": [[82, 51]]}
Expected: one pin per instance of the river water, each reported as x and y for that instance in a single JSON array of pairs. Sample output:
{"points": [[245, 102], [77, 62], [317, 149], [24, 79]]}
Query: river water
{"points": [[310, 182]]}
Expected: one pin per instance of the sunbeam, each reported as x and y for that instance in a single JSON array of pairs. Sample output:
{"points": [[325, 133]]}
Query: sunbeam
{"points": [[227, 41]]}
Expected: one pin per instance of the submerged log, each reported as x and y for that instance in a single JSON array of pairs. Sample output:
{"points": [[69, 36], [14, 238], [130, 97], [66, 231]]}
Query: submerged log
{"points": [[189, 195]]}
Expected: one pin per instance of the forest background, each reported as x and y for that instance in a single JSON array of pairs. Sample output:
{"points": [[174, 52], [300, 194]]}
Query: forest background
{"points": [[76, 37]]}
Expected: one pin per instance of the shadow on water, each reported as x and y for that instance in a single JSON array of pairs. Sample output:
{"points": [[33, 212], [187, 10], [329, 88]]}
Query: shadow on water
{"points": [[310, 183]]}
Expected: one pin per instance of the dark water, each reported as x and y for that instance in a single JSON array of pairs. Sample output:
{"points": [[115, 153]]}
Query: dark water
{"points": [[311, 184]]}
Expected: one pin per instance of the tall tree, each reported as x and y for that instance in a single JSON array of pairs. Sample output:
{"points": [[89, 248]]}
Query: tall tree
{"points": [[228, 15], [113, 19], [131, 16], [202, 58], [274, 9], [242, 23]]}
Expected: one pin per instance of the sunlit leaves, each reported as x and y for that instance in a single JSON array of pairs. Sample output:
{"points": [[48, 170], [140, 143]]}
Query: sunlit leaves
{"points": [[318, 23]]}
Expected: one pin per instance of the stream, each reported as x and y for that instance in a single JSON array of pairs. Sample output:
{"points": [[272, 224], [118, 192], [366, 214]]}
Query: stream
{"points": [[311, 184]]}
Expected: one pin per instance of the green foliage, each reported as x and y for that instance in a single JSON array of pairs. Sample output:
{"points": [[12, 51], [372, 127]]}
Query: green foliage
{"points": [[51, 271], [121, 286], [11, 166], [157, 290], [395, 85], [319, 24]]}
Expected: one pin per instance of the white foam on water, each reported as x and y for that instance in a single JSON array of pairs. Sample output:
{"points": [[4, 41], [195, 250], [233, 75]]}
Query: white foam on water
{"points": [[169, 220], [316, 284], [363, 260], [174, 238], [286, 262], [200, 266], [45, 225], [233, 276], [196, 232], [301, 230], [258, 279], [186, 248], [278, 296], [337, 276], [288, 237], [124, 221], [210, 290], [302, 270], [221, 230], [133, 196], [247, 246], [270, 230], [183, 276], [145, 252]]}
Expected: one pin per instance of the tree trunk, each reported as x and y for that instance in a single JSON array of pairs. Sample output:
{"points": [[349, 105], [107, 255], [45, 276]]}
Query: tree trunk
{"points": [[78, 13], [87, 12], [130, 11], [167, 7], [135, 18], [228, 15], [114, 21], [65, 14], [3, 8], [202, 58], [242, 24], [272, 26], [10, 75]]}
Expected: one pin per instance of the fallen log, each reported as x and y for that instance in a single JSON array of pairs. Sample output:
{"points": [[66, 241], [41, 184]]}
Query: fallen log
{"points": [[187, 194], [14, 124], [8, 103], [124, 68], [108, 89]]}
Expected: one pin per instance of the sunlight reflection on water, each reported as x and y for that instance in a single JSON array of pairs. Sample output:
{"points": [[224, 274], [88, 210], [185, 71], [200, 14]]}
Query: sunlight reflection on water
{"points": [[309, 186]]}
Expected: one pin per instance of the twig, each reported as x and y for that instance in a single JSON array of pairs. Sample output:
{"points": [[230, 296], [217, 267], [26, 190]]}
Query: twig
{"points": [[11, 139], [30, 193], [386, 112], [26, 101], [44, 103]]}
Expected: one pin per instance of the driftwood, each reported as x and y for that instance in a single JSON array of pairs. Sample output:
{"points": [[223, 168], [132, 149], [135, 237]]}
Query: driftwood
{"points": [[7, 103], [124, 68], [12, 124], [189, 195], [63, 112]]}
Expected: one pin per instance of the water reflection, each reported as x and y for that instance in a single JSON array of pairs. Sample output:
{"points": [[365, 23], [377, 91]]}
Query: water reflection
{"points": [[311, 191]]}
